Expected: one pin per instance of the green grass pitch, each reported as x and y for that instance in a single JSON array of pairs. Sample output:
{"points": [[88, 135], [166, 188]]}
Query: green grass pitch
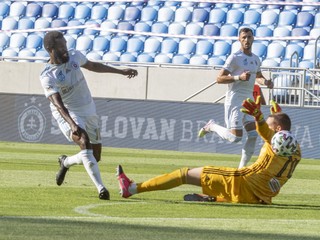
{"points": [[33, 207]]}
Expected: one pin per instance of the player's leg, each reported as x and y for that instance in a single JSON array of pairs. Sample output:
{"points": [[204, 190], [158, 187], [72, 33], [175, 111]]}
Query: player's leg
{"points": [[249, 146], [162, 182]]}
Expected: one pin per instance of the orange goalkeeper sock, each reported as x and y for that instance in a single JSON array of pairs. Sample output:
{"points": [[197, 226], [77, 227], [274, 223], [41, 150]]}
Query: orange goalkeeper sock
{"points": [[164, 182]]}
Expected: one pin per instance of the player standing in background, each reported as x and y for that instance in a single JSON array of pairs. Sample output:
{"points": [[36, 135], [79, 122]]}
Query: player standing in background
{"points": [[240, 72], [72, 105], [257, 183]]}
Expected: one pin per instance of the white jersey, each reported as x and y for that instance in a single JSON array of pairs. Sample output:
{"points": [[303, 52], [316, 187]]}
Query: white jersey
{"points": [[236, 64], [68, 80]]}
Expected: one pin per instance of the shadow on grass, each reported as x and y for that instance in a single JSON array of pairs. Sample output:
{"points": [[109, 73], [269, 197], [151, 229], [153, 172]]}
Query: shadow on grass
{"points": [[44, 229]]}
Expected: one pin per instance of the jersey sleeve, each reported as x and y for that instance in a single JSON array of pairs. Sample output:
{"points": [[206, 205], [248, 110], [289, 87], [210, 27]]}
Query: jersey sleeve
{"points": [[229, 64], [48, 85], [80, 58], [264, 131]]}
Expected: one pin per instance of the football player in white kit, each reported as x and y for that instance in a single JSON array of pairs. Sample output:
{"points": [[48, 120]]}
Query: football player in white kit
{"points": [[240, 71], [72, 105]]}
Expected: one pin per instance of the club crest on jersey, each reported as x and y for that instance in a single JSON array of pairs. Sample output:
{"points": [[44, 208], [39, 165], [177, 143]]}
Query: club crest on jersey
{"points": [[31, 123], [75, 65], [61, 76]]}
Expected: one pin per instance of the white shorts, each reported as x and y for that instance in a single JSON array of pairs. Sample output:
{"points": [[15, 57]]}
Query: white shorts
{"points": [[88, 123], [234, 118]]}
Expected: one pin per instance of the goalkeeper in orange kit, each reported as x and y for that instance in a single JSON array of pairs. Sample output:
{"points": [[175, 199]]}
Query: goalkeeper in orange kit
{"points": [[257, 183]]}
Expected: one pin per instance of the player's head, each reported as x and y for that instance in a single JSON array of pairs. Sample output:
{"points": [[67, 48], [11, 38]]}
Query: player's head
{"points": [[279, 121], [246, 39], [56, 46]]}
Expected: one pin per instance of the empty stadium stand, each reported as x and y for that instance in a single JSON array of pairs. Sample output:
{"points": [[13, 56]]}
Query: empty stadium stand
{"points": [[174, 27]]}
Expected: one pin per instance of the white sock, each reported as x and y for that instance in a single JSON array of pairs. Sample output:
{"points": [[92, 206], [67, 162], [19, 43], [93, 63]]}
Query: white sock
{"points": [[73, 160], [248, 148], [133, 188], [91, 166], [224, 133]]}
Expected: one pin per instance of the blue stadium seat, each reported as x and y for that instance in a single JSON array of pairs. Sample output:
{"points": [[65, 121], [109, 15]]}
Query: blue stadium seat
{"points": [[17, 41], [34, 42], [135, 45], [276, 50], [132, 13], [269, 17], [149, 14], [183, 14], [180, 59], [4, 10], [235, 46], [204, 47], [71, 41], [305, 19], [317, 20], [299, 32], [100, 44], [198, 60], [66, 11], [211, 29], [33, 10], [251, 17], [172, 3], [128, 57], [169, 45], [309, 52], [82, 12], [162, 58], [188, 4], [200, 15], [42, 53], [215, 61], [99, 13], [17, 9], [50, 10], [9, 23], [9, 52], [306, 64], [159, 27], [228, 30], [291, 48], [74, 23], [4, 41], [125, 26], [207, 5], [176, 28], [152, 45], [115, 12], [315, 33], [25, 53], [282, 31], [118, 44], [145, 58], [142, 27], [56, 23], [222, 48], [217, 16], [166, 14], [94, 56], [42, 23], [194, 28], [264, 31], [234, 16], [260, 49], [187, 46], [269, 63], [26, 23], [105, 25], [287, 18], [84, 44], [109, 56]]}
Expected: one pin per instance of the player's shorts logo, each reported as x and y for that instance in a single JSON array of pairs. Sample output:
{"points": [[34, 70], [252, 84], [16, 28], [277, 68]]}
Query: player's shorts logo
{"points": [[31, 124]]}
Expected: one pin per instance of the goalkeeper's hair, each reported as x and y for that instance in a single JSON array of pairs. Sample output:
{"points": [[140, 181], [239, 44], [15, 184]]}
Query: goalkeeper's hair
{"points": [[282, 119], [50, 39]]}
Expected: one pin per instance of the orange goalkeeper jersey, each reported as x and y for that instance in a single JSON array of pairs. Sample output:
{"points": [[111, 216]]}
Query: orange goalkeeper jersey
{"points": [[257, 183]]}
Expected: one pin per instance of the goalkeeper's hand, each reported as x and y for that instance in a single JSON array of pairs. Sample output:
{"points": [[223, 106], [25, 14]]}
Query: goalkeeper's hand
{"points": [[275, 107], [252, 108]]}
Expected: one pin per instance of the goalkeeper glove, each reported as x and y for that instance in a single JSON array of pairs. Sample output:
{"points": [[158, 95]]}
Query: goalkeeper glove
{"points": [[275, 107], [252, 108]]}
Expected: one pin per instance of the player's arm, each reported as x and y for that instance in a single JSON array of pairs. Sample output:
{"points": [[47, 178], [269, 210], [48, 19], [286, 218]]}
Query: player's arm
{"points": [[56, 100], [102, 68], [263, 81], [224, 77]]}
